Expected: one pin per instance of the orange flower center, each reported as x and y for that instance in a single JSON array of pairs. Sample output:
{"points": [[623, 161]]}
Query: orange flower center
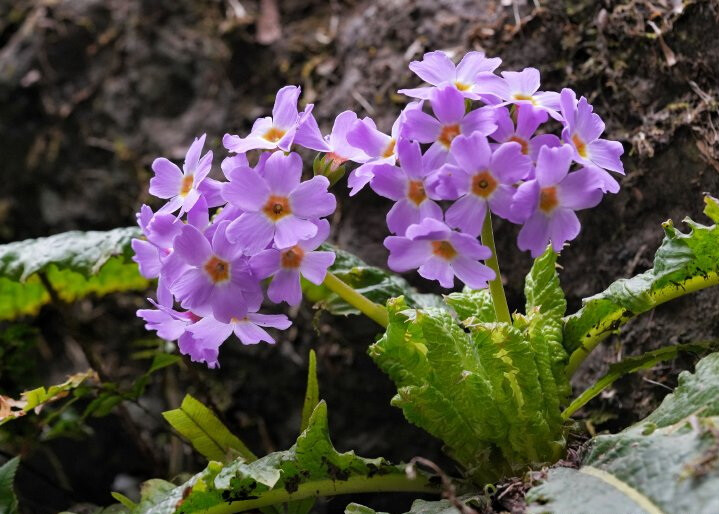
{"points": [[292, 258], [274, 134], [277, 207], [548, 199], [483, 184], [448, 133], [416, 192], [217, 269], [389, 151], [523, 143], [443, 249], [186, 184], [461, 86], [580, 145]]}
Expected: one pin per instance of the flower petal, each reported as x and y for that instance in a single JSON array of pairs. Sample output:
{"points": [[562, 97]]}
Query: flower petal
{"points": [[291, 229], [312, 200], [284, 112], [192, 246], [253, 231], [467, 214], [553, 165], [474, 274], [563, 226], [534, 235], [283, 173], [606, 154], [167, 180], [438, 269], [405, 254], [389, 181], [285, 286], [314, 266], [434, 68]]}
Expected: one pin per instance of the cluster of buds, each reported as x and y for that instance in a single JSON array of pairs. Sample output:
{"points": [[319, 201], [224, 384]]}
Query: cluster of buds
{"points": [[469, 144]]}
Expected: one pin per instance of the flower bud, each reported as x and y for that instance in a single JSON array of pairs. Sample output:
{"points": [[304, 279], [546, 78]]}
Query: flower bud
{"points": [[329, 165]]}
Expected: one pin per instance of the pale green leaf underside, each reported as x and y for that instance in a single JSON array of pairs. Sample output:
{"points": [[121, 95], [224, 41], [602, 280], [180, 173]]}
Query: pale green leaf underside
{"points": [[207, 434], [665, 463], [75, 264], [424, 506], [312, 467], [683, 263]]}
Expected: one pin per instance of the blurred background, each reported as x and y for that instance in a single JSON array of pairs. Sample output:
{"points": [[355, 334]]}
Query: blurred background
{"points": [[91, 91]]}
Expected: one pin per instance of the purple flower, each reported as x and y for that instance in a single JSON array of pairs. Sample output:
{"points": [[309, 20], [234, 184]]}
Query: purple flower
{"points": [[437, 69], [440, 254], [286, 266], [276, 131], [528, 120], [210, 333], [154, 254], [276, 205], [218, 279], [481, 177], [582, 130], [338, 149], [405, 185], [450, 121], [173, 325], [521, 88], [378, 146], [184, 188], [546, 204]]}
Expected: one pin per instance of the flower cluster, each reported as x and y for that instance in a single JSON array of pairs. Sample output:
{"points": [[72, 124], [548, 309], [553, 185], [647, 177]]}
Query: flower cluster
{"points": [[470, 143], [213, 244]]}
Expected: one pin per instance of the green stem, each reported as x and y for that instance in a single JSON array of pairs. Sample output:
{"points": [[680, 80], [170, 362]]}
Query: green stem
{"points": [[496, 288], [607, 326], [329, 487], [374, 311]]}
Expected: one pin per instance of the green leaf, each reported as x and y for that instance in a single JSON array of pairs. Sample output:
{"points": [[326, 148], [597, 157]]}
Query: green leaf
{"points": [[163, 360], [632, 365], [312, 394], [472, 304], [36, 399], [668, 462], [376, 284], [428, 507], [8, 500], [311, 468], [684, 263], [207, 434], [124, 500], [72, 265], [486, 389]]}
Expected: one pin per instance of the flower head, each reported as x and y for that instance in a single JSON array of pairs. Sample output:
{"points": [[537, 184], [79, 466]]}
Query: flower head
{"points": [[437, 69], [276, 131], [287, 265], [528, 119], [440, 253], [482, 178], [406, 186], [183, 188], [582, 129], [546, 204], [521, 88], [450, 120], [218, 279]]}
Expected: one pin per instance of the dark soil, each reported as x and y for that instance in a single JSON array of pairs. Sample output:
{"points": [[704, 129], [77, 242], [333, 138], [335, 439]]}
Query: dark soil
{"points": [[91, 91]]}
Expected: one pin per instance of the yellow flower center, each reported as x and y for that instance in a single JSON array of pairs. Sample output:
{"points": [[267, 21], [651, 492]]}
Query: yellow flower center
{"points": [[389, 151], [292, 258], [444, 249], [461, 86], [217, 269], [274, 134], [416, 192], [187, 181], [277, 207], [520, 96], [448, 133], [483, 184], [548, 199], [580, 145]]}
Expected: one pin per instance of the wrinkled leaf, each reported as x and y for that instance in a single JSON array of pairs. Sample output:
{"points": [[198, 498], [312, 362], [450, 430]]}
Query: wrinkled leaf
{"points": [[668, 462], [74, 264], [8, 500], [311, 468], [426, 507], [376, 284], [683, 263], [207, 434]]}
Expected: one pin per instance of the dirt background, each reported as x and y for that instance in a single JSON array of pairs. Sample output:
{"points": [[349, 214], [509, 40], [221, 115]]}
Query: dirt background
{"points": [[91, 91]]}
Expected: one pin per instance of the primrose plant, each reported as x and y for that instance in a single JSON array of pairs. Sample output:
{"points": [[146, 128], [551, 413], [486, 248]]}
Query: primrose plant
{"points": [[469, 146]]}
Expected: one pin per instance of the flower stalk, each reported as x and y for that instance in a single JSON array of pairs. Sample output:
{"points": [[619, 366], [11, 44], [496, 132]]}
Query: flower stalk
{"points": [[374, 311], [496, 289]]}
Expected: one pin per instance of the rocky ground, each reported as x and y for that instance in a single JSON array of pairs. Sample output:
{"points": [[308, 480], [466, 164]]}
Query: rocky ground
{"points": [[91, 91]]}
